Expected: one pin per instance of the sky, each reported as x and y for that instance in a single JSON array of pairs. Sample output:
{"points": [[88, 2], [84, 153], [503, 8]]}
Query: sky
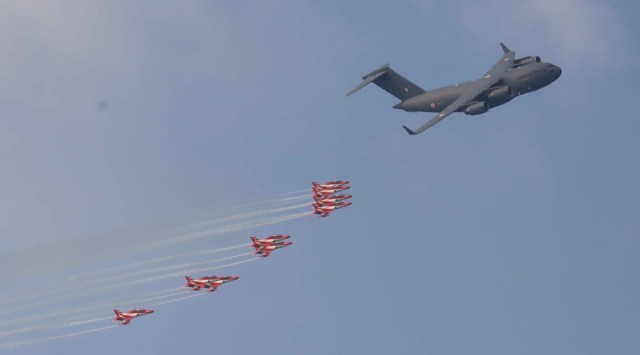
{"points": [[515, 231]]}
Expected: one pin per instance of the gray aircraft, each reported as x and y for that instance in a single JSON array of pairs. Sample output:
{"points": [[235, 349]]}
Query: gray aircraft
{"points": [[507, 79]]}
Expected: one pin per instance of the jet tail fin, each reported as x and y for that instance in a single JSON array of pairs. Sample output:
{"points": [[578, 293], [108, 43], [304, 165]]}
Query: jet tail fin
{"points": [[391, 82]]}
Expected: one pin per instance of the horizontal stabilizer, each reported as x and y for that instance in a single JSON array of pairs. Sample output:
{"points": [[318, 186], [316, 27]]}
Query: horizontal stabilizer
{"points": [[391, 82], [370, 77]]}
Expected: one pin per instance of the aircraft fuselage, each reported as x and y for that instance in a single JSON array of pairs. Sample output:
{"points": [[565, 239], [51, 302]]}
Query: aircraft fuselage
{"points": [[517, 81]]}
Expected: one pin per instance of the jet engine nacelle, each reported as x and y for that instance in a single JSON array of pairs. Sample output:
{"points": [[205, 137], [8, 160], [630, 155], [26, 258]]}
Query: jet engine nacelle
{"points": [[502, 92], [477, 108], [525, 60]]}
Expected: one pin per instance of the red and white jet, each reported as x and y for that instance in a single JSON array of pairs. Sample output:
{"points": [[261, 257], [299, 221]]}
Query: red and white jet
{"points": [[210, 282], [330, 199], [332, 204], [265, 246], [126, 317], [324, 210], [337, 182], [330, 184], [319, 191]]}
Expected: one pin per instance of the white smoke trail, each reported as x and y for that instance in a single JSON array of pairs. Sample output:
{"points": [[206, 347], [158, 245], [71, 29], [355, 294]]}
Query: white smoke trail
{"points": [[92, 307], [188, 237], [87, 321], [285, 198], [160, 259], [104, 280], [207, 269], [166, 268], [210, 232], [137, 282], [277, 200], [177, 299], [248, 224], [251, 214], [43, 340], [52, 326], [69, 324], [80, 322], [187, 254], [183, 272], [232, 228]]}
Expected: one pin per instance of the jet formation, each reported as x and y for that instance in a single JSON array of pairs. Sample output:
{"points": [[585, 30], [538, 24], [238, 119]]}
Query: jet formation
{"points": [[506, 80], [263, 247], [324, 199]]}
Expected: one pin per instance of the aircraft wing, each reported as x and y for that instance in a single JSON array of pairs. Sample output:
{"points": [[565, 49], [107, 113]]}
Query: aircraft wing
{"points": [[474, 89]]}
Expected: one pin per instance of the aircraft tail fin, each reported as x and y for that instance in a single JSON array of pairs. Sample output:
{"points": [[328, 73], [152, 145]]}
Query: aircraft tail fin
{"points": [[391, 82]]}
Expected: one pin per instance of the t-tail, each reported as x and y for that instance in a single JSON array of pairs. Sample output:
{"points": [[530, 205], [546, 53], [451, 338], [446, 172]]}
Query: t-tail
{"points": [[391, 82]]}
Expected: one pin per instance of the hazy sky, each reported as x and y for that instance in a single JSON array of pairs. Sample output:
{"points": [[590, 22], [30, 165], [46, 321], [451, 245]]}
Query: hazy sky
{"points": [[512, 232]]}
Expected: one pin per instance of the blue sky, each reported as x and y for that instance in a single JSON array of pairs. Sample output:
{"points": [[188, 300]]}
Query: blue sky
{"points": [[515, 231]]}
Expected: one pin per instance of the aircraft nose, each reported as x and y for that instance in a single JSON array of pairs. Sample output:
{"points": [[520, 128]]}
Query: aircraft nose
{"points": [[557, 71]]}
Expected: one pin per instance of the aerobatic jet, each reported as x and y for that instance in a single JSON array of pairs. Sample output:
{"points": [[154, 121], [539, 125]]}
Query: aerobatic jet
{"points": [[325, 192], [276, 238], [210, 282], [329, 199], [265, 246], [332, 204], [337, 182], [506, 80], [126, 317], [324, 210], [329, 184]]}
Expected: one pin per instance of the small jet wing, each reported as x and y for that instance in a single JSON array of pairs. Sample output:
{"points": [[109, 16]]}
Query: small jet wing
{"points": [[476, 88]]}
